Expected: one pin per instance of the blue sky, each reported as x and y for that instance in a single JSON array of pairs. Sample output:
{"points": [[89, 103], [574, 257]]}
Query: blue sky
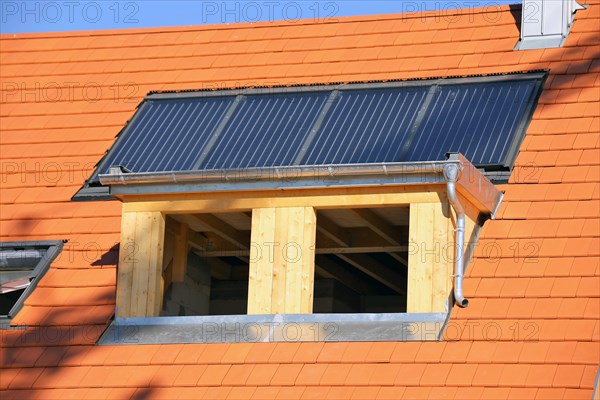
{"points": [[18, 16]]}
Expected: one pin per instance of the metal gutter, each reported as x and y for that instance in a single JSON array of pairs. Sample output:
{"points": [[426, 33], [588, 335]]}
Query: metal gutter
{"points": [[470, 181], [117, 177]]}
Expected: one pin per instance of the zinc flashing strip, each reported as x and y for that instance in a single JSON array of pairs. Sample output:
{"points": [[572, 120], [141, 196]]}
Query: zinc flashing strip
{"points": [[276, 328]]}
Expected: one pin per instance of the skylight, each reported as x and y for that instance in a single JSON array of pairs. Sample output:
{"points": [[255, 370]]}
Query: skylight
{"points": [[22, 265]]}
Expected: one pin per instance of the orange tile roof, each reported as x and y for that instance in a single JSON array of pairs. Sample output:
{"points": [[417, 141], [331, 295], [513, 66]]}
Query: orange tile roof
{"points": [[533, 327]]}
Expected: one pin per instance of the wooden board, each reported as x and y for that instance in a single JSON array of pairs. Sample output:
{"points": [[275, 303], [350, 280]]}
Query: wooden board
{"points": [[282, 260], [180, 253], [260, 280], [126, 264], [141, 264], [325, 198], [443, 266], [429, 266]]}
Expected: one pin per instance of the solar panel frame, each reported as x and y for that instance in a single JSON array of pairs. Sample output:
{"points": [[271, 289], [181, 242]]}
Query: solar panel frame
{"points": [[125, 139]]}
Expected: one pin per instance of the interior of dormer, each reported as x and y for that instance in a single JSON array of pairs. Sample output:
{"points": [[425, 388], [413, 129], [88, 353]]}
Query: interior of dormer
{"points": [[361, 260]]}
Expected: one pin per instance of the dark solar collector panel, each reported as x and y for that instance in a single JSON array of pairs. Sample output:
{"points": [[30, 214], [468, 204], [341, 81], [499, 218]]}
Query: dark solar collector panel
{"points": [[366, 126], [482, 117], [266, 130], [166, 135], [477, 120]]}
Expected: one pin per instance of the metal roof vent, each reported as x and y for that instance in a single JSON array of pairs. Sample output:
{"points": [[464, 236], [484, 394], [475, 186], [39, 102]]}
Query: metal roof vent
{"points": [[546, 23]]}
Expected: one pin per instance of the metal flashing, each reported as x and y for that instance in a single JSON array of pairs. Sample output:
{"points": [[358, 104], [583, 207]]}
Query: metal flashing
{"points": [[276, 328], [546, 23]]}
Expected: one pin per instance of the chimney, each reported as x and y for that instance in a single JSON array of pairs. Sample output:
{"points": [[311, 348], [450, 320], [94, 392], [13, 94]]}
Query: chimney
{"points": [[546, 23]]}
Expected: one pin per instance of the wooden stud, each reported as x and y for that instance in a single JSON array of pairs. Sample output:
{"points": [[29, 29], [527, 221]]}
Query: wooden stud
{"points": [[282, 260], [127, 260], [260, 280], [307, 259], [180, 253], [278, 293], [429, 269], [443, 266], [141, 265]]}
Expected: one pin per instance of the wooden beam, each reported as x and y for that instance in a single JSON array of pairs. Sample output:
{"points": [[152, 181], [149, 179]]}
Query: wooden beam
{"points": [[224, 230], [180, 253], [210, 244], [260, 280], [283, 225], [169, 247], [127, 261], [325, 250], [282, 260], [430, 260], [139, 284], [381, 227], [305, 225], [355, 238], [359, 260], [198, 241], [376, 196], [357, 250], [377, 271], [343, 275], [172, 225], [333, 232]]}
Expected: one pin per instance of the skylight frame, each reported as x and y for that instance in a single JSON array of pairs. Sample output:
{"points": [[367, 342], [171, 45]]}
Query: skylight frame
{"points": [[52, 250]]}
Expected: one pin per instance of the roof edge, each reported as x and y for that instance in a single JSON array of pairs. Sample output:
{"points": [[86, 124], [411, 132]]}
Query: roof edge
{"points": [[472, 182], [420, 15]]}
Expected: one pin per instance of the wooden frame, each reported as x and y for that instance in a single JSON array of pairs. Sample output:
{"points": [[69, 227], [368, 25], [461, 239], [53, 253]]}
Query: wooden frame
{"points": [[276, 284]]}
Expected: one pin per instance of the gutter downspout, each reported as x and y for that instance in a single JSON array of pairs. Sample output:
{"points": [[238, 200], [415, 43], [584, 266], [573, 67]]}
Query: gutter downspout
{"points": [[451, 174]]}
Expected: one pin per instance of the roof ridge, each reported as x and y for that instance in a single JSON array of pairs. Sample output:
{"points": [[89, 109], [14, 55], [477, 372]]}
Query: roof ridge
{"points": [[254, 25]]}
